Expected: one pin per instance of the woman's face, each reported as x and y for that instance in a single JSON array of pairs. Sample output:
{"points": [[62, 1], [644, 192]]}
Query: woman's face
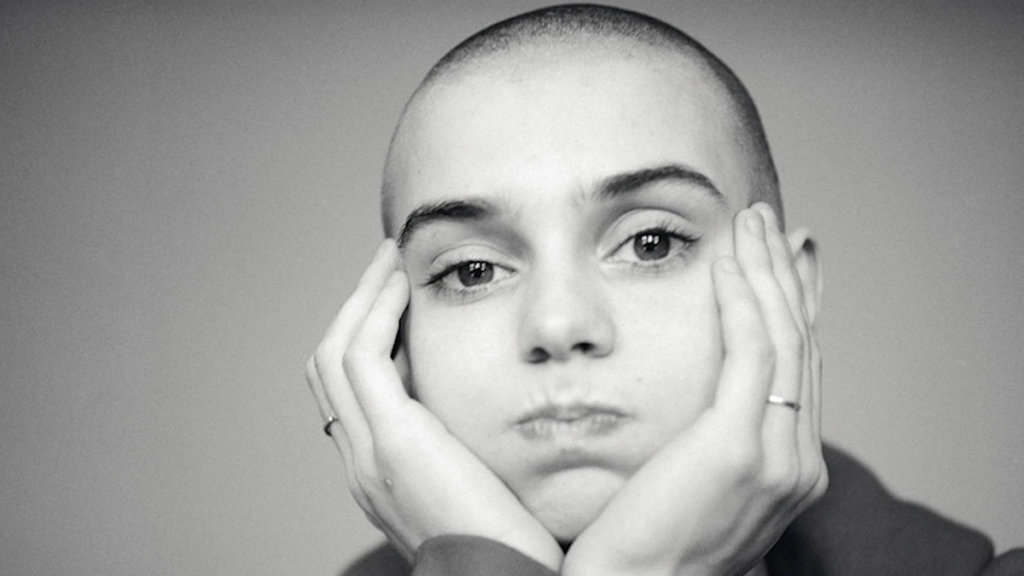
{"points": [[561, 220]]}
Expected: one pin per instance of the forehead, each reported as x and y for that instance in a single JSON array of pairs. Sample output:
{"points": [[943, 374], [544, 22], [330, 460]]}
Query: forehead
{"points": [[552, 125]]}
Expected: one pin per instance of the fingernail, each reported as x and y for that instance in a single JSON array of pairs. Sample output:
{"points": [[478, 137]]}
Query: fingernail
{"points": [[754, 222], [768, 215]]}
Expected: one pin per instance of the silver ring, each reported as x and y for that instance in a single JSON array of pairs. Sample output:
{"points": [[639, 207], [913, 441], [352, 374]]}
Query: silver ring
{"points": [[780, 401], [327, 425]]}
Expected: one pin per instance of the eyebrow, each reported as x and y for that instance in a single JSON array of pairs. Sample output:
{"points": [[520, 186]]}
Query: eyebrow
{"points": [[477, 209], [470, 209], [621, 184]]}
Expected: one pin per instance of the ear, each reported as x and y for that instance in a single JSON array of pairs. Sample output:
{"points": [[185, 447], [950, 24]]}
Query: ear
{"points": [[805, 260]]}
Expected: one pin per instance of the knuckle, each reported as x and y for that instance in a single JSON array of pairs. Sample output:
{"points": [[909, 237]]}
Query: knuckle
{"points": [[783, 478], [809, 474], [821, 484], [347, 361], [323, 357]]}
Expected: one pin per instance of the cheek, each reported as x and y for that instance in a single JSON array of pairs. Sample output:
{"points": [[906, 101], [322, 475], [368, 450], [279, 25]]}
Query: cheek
{"points": [[456, 354], [671, 337]]}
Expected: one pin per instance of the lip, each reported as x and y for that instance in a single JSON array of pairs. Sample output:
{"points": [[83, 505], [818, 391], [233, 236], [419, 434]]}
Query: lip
{"points": [[570, 420]]}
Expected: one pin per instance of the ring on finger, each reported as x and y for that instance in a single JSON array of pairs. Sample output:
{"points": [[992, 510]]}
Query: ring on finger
{"points": [[328, 424], [780, 401]]}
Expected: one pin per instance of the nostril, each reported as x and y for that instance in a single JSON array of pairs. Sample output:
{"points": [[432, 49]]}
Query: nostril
{"points": [[584, 347], [537, 355]]}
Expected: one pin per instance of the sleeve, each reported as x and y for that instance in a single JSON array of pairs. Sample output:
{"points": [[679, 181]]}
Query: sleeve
{"points": [[472, 555], [858, 527], [1010, 563], [449, 556]]}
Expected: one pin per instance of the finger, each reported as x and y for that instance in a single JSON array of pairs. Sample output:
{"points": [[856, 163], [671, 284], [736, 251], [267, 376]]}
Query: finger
{"points": [[332, 425], [339, 438], [755, 259], [816, 392], [316, 387], [782, 264], [812, 476], [328, 359], [789, 281], [747, 366], [780, 473], [375, 379], [350, 316], [808, 419], [328, 362]]}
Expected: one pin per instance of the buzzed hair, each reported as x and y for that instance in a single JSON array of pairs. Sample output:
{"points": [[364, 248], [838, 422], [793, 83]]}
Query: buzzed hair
{"points": [[589, 24]]}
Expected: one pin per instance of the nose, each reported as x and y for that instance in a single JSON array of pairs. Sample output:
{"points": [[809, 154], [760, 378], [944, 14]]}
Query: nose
{"points": [[565, 314]]}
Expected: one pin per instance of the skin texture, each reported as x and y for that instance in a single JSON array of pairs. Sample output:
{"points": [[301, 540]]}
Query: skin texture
{"points": [[655, 333], [695, 472]]}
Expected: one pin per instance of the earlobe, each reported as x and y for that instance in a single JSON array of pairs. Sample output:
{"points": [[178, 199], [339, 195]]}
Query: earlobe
{"points": [[808, 267]]}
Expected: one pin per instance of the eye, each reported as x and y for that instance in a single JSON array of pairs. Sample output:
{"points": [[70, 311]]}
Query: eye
{"points": [[474, 273], [653, 246], [467, 278]]}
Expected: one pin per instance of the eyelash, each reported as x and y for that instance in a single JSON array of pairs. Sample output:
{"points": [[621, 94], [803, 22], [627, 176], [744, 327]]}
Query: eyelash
{"points": [[436, 282], [437, 285], [661, 228]]}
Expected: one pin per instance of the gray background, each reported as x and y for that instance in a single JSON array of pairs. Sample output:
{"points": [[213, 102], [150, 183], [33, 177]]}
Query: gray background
{"points": [[189, 192]]}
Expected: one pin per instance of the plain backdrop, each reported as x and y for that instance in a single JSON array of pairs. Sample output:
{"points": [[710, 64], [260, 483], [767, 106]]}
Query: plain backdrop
{"points": [[189, 193]]}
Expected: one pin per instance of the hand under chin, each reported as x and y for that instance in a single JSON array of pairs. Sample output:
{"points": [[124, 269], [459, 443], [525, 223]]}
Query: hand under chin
{"points": [[568, 501]]}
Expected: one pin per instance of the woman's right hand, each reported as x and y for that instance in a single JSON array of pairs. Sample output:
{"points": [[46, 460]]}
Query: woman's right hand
{"points": [[411, 477]]}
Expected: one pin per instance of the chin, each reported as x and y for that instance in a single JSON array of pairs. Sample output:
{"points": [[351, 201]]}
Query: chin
{"points": [[567, 502]]}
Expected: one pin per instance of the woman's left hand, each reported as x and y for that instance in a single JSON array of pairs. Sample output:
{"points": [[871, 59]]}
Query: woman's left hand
{"points": [[717, 497]]}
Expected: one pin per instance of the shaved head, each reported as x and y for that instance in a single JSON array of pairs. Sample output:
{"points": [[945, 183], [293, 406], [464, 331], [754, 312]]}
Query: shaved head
{"points": [[560, 186], [577, 31]]}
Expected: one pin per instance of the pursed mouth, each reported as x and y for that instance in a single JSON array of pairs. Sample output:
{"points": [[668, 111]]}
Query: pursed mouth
{"points": [[573, 421]]}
